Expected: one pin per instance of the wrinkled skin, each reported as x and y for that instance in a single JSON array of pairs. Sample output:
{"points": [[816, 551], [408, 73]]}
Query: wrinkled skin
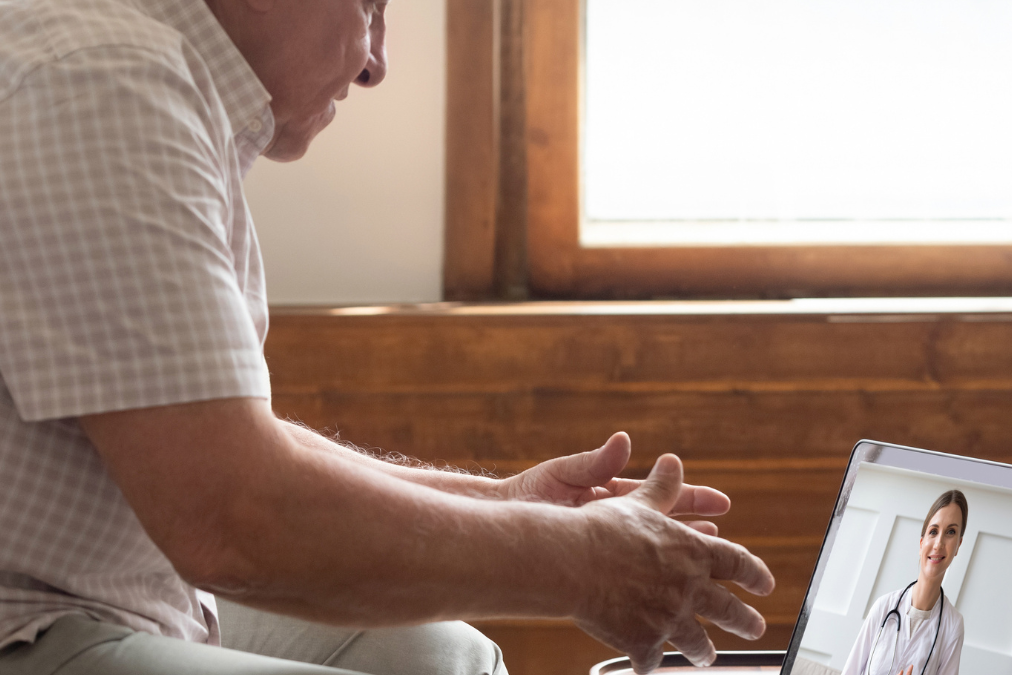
{"points": [[650, 586]]}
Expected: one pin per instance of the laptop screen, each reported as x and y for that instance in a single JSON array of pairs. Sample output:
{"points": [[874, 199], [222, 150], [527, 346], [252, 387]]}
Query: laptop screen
{"points": [[899, 519]]}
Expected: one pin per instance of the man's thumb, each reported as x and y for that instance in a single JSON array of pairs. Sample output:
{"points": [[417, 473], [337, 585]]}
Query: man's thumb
{"points": [[661, 488]]}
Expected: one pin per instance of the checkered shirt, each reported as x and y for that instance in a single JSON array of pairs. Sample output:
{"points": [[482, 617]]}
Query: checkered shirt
{"points": [[130, 276]]}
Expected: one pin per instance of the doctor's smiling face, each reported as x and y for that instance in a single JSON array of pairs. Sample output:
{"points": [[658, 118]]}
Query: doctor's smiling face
{"points": [[940, 541]]}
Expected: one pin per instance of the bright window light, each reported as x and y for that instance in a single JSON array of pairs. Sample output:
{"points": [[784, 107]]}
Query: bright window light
{"points": [[797, 122]]}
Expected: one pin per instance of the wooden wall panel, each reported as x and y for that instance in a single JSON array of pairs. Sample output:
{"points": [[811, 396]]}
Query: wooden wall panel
{"points": [[493, 353], [765, 408], [531, 426], [472, 148]]}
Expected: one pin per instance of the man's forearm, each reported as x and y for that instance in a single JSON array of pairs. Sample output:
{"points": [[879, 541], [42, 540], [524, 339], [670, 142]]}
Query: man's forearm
{"points": [[454, 482], [354, 545], [242, 508]]}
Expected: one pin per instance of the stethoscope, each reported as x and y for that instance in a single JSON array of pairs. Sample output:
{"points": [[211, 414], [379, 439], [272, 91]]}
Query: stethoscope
{"points": [[896, 610]]}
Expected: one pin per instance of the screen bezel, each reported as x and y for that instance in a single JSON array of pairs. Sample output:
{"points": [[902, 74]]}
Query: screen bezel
{"points": [[956, 467]]}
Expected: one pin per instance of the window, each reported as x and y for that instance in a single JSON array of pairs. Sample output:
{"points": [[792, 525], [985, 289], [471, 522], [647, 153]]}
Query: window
{"points": [[797, 122], [756, 148]]}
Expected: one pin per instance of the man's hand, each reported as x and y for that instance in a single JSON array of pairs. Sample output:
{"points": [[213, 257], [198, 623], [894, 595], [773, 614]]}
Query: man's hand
{"points": [[651, 576], [576, 480]]}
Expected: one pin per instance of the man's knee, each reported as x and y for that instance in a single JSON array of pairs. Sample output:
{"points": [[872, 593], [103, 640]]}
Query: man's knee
{"points": [[445, 648], [464, 650]]}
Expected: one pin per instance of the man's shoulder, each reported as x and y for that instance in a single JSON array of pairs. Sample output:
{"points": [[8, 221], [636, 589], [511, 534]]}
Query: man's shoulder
{"points": [[80, 24], [36, 32]]}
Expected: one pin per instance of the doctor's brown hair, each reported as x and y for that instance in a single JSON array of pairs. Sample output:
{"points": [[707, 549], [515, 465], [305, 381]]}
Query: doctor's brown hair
{"points": [[944, 500]]}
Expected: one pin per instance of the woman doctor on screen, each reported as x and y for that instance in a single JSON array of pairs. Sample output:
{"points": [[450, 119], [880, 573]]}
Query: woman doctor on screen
{"points": [[916, 629]]}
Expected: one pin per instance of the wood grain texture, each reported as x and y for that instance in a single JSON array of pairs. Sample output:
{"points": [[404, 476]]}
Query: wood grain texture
{"points": [[629, 354], [765, 408], [560, 268], [773, 272], [553, 144], [511, 208], [471, 149], [491, 428]]}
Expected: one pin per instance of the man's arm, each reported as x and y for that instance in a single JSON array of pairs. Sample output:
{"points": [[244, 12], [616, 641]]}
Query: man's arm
{"points": [[572, 480], [454, 482], [241, 508]]}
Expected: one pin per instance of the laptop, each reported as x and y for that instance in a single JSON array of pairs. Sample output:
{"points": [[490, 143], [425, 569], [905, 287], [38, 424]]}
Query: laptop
{"points": [[871, 553]]}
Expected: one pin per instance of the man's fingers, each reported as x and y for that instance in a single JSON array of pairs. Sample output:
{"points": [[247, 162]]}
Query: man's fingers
{"points": [[592, 494], [647, 660], [702, 526], [701, 501], [608, 460], [622, 486], [732, 562], [727, 612], [595, 467], [661, 488], [694, 644]]}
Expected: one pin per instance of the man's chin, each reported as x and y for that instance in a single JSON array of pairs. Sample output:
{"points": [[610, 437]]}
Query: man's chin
{"points": [[291, 142], [284, 150]]}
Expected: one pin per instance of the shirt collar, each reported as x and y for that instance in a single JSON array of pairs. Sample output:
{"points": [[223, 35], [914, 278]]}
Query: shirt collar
{"points": [[245, 98]]}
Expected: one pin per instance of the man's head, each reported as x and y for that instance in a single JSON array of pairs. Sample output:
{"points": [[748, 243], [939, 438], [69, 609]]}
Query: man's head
{"points": [[307, 53]]}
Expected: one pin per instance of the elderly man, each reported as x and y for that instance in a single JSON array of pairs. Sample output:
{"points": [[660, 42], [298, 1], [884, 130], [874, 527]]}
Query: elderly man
{"points": [[141, 466]]}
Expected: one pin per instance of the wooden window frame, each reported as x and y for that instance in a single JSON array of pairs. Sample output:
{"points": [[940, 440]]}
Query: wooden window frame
{"points": [[514, 203]]}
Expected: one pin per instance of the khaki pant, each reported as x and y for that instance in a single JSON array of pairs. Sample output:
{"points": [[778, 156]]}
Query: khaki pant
{"points": [[256, 643]]}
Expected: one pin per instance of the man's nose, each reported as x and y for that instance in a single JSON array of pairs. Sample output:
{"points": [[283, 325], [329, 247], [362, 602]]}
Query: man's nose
{"points": [[375, 70]]}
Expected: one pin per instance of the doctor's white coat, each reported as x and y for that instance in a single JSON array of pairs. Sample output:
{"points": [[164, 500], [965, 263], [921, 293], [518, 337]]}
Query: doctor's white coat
{"points": [[897, 650]]}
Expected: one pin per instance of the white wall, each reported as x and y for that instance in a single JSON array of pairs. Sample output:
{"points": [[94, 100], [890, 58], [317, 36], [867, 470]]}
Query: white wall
{"points": [[360, 218]]}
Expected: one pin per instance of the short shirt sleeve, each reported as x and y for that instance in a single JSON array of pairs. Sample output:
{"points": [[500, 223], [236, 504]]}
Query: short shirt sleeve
{"points": [[119, 284]]}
